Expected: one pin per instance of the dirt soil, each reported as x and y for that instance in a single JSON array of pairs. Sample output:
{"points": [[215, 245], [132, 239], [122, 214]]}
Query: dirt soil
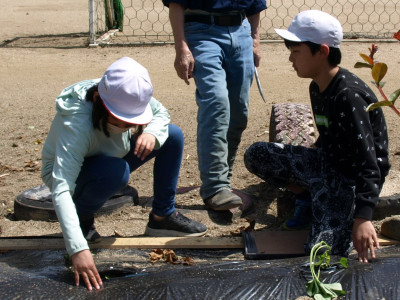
{"points": [[43, 47]]}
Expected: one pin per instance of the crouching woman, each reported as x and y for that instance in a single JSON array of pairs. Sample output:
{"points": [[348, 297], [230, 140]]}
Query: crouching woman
{"points": [[103, 130]]}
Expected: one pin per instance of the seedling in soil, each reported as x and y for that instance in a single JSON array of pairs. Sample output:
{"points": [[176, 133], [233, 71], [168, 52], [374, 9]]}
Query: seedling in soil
{"points": [[315, 288]]}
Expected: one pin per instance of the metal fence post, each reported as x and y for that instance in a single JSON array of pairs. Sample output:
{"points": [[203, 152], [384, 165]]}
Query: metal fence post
{"points": [[91, 24]]}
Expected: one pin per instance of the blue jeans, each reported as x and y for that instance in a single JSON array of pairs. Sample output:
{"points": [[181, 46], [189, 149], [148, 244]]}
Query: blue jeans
{"points": [[223, 73], [103, 176]]}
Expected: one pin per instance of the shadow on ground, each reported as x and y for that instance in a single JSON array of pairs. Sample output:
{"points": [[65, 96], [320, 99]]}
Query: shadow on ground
{"points": [[58, 41]]}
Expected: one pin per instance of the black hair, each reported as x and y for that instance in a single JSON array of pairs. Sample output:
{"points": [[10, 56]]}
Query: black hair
{"points": [[334, 57], [100, 113]]}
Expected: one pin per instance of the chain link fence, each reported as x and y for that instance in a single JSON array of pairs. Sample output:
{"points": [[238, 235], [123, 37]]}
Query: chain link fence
{"points": [[147, 21]]}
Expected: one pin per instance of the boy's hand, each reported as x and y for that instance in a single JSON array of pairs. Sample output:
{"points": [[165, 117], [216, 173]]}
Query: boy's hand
{"points": [[83, 265], [144, 145], [364, 238]]}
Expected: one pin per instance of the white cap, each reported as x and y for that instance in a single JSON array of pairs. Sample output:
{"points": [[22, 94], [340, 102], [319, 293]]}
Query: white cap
{"points": [[314, 26], [126, 90]]}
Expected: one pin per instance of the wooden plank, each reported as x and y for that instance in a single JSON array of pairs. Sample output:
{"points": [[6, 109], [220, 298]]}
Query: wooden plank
{"points": [[171, 242], [38, 243], [384, 241], [122, 243]]}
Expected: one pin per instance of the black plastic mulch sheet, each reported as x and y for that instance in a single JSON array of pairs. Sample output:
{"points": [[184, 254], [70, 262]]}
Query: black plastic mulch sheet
{"points": [[43, 275]]}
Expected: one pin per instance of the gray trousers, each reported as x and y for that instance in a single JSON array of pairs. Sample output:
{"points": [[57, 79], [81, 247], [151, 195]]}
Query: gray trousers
{"points": [[332, 193]]}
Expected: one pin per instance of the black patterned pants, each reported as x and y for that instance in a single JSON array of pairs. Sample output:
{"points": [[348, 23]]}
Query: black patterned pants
{"points": [[332, 193]]}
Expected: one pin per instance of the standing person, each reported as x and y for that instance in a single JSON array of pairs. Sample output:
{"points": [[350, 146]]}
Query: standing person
{"points": [[337, 184], [105, 129], [217, 44]]}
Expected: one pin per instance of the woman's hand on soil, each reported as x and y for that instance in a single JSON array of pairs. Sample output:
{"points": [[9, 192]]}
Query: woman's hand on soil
{"points": [[83, 265]]}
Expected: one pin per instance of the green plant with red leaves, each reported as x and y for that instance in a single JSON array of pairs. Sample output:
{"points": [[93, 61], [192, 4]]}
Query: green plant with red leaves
{"points": [[378, 71]]}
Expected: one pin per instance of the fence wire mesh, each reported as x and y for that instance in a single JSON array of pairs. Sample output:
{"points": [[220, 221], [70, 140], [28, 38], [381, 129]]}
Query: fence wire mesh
{"points": [[147, 21]]}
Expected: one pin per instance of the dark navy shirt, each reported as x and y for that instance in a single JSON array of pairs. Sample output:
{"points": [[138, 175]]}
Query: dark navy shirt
{"points": [[354, 141], [251, 7]]}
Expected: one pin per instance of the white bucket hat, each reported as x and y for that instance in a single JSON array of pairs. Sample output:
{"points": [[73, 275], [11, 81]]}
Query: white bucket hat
{"points": [[126, 90], [314, 26]]}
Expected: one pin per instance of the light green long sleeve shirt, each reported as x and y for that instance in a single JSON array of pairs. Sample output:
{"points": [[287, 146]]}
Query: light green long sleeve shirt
{"points": [[71, 139]]}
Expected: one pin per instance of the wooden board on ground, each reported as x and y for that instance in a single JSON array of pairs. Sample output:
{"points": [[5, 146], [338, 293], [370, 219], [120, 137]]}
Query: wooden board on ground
{"points": [[273, 243], [283, 244], [122, 243]]}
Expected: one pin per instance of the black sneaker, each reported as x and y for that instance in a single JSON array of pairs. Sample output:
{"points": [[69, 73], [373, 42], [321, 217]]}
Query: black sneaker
{"points": [[89, 231], [223, 200], [175, 224]]}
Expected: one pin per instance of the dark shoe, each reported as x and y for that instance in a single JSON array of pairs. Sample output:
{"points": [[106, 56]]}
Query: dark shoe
{"points": [[223, 200], [302, 216], [90, 233], [175, 224]]}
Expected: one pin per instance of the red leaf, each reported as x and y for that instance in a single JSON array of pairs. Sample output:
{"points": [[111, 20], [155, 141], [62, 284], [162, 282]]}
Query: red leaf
{"points": [[397, 35], [367, 59]]}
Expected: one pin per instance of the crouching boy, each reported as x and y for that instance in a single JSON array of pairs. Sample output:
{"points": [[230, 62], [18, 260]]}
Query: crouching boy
{"points": [[337, 183]]}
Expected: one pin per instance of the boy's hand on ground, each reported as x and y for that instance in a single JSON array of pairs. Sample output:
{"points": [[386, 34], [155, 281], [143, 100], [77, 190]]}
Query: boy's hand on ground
{"points": [[364, 238], [84, 266], [144, 145]]}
